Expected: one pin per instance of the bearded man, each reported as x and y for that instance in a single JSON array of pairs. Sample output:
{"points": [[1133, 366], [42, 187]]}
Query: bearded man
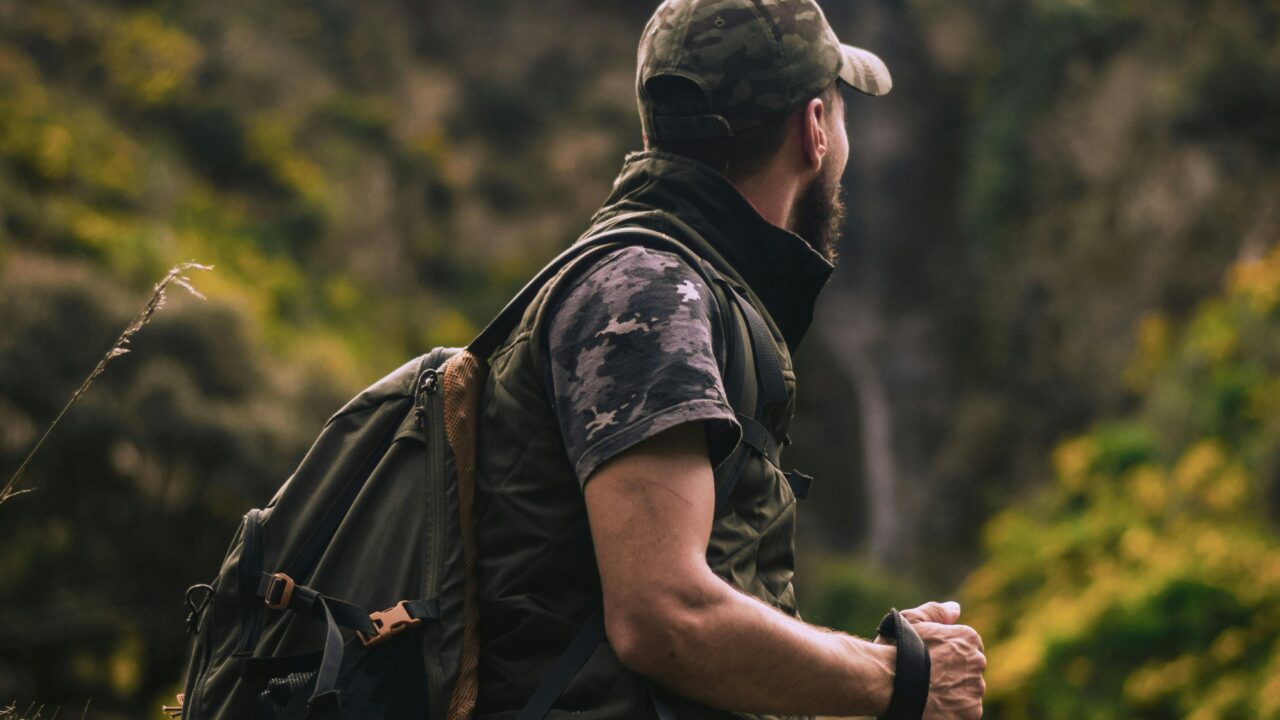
{"points": [[635, 530]]}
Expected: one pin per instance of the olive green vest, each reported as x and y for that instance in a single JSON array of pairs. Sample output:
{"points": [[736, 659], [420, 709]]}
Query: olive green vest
{"points": [[536, 565]]}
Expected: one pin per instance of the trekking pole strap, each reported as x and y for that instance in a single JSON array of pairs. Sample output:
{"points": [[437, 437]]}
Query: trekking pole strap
{"points": [[911, 669]]}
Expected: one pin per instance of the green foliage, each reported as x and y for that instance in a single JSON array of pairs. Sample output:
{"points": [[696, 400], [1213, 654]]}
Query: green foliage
{"points": [[1117, 158], [1146, 582], [165, 451], [853, 596], [149, 62], [133, 139], [60, 143], [1049, 35]]}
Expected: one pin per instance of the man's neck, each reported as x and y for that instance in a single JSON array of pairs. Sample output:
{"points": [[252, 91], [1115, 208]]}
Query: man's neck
{"points": [[773, 197]]}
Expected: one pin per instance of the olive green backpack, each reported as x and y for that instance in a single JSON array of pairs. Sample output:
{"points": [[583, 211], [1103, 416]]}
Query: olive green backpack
{"points": [[352, 592]]}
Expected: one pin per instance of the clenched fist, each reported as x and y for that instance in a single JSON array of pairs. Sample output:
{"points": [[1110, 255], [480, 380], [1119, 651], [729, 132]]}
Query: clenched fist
{"points": [[956, 686]]}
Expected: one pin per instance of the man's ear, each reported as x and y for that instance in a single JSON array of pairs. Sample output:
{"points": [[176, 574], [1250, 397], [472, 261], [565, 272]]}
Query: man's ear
{"points": [[814, 140]]}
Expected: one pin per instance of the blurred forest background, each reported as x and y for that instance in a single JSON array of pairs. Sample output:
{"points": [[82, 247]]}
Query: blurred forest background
{"points": [[1045, 380]]}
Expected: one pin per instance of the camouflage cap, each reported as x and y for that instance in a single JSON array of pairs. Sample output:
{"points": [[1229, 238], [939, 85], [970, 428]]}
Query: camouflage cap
{"points": [[753, 60]]}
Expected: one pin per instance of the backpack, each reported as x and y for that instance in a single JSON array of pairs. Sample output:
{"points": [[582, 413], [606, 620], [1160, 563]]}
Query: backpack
{"points": [[353, 592]]}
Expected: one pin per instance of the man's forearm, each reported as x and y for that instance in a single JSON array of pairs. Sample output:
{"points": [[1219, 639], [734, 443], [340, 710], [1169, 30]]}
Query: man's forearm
{"points": [[726, 649], [670, 618]]}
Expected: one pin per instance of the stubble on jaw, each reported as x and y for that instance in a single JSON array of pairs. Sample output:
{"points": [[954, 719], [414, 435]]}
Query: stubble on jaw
{"points": [[819, 214]]}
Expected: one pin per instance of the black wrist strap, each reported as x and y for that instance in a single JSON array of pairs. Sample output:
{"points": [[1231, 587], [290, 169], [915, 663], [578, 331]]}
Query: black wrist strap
{"points": [[911, 675]]}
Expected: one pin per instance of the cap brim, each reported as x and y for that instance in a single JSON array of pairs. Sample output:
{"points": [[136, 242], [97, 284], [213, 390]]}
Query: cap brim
{"points": [[864, 71]]}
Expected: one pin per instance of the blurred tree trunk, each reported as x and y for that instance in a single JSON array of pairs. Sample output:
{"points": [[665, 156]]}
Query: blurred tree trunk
{"points": [[881, 317], [853, 341]]}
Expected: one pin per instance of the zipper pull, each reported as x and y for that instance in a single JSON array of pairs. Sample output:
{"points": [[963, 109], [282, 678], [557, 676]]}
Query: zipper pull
{"points": [[197, 605], [428, 383]]}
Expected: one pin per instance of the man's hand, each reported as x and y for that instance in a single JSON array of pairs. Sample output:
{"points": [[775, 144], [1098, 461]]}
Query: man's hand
{"points": [[956, 686], [946, 613]]}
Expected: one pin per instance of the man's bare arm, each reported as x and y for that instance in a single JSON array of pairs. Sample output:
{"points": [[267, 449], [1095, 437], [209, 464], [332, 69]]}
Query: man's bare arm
{"points": [[671, 619]]}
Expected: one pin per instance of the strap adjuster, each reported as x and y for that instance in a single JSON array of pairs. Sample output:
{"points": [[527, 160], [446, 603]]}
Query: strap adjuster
{"points": [[388, 622], [279, 592]]}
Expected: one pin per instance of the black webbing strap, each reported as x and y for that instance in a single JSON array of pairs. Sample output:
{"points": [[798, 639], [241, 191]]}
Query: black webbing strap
{"points": [[306, 602], [757, 384], [326, 697], [739, 372], [311, 604], [742, 389], [757, 437], [280, 592], [567, 666], [911, 672], [773, 387]]}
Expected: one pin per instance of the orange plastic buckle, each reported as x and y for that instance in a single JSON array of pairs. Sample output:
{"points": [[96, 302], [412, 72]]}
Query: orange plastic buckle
{"points": [[285, 595], [388, 623]]}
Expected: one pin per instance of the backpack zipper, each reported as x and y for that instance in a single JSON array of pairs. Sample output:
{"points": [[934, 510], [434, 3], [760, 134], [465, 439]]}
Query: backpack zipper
{"points": [[250, 571], [190, 702], [430, 418]]}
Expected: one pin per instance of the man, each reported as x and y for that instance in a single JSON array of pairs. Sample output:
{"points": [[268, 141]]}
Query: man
{"points": [[606, 412]]}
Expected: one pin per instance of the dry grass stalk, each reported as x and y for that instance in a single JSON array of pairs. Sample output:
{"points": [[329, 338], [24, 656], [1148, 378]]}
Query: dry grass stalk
{"points": [[175, 276], [10, 712]]}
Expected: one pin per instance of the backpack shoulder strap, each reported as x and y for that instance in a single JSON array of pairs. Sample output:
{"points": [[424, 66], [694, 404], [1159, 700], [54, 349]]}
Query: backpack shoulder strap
{"points": [[754, 382]]}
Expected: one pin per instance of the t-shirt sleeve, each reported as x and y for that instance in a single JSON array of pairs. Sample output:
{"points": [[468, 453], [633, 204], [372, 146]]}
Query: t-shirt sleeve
{"points": [[633, 351]]}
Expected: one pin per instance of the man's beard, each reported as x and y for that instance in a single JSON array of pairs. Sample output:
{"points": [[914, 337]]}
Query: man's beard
{"points": [[818, 216]]}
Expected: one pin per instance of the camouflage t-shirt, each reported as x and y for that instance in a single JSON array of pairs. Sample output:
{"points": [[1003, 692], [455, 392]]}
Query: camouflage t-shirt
{"points": [[635, 348]]}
